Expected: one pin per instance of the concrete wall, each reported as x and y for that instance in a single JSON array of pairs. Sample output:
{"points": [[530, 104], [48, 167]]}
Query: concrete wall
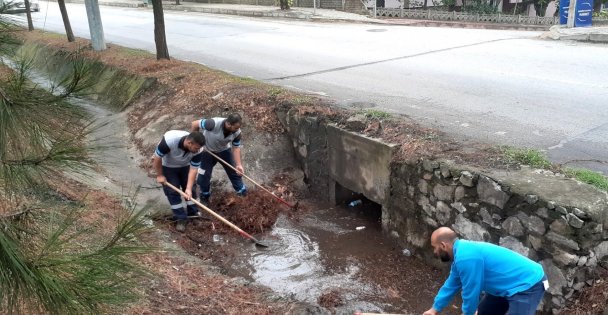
{"points": [[109, 86], [359, 163], [559, 222]]}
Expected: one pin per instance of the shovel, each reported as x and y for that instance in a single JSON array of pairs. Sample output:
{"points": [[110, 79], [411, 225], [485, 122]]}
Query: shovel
{"points": [[217, 216], [295, 206]]}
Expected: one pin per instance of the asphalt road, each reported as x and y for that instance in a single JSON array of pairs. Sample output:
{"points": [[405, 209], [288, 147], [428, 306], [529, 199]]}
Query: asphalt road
{"points": [[503, 87]]}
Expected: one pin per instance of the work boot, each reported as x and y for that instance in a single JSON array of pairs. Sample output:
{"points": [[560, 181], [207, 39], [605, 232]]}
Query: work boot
{"points": [[205, 200], [242, 192], [180, 226]]}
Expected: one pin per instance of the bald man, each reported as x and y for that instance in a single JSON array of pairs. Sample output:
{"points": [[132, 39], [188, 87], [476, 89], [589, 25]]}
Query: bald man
{"points": [[513, 284]]}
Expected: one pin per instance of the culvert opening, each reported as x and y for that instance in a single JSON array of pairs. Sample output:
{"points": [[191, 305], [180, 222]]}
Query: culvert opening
{"points": [[353, 200]]}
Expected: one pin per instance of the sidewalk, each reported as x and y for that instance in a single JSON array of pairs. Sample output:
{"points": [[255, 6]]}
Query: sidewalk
{"points": [[593, 34], [246, 10], [598, 34]]}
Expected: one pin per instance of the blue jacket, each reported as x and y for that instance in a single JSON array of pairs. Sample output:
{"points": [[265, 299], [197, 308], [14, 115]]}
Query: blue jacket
{"points": [[486, 267]]}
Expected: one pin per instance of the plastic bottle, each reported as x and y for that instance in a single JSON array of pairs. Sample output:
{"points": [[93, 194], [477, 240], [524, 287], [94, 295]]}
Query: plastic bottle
{"points": [[355, 203]]}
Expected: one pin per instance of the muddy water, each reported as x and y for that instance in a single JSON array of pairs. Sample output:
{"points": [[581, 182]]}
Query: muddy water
{"points": [[338, 250], [341, 250]]}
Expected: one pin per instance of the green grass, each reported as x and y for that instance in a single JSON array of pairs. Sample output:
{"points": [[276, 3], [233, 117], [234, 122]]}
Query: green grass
{"points": [[302, 99], [531, 157], [136, 52], [587, 176], [376, 114], [537, 159], [275, 91]]}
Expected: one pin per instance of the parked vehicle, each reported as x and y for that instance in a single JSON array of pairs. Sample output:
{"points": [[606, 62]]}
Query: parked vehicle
{"points": [[18, 6]]}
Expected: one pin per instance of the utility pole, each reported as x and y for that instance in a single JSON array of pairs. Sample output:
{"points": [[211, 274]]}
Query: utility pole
{"points": [[95, 26], [571, 14]]}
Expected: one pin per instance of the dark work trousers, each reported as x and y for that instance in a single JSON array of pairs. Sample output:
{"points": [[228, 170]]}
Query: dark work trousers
{"points": [[522, 303], [178, 177], [206, 169]]}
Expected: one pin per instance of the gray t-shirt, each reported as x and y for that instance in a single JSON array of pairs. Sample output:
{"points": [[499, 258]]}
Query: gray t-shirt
{"points": [[171, 150], [217, 139]]}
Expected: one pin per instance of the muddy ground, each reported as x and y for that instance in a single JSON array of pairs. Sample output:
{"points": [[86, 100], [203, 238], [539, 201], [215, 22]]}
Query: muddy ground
{"points": [[188, 282]]}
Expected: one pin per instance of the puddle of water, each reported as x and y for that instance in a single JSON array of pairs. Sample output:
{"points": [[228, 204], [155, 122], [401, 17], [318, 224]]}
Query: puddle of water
{"points": [[323, 251]]}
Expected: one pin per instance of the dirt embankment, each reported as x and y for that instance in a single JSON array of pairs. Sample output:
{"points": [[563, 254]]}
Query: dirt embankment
{"points": [[185, 91]]}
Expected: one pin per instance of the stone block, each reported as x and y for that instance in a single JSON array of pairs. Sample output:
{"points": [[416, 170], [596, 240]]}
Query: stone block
{"points": [[459, 207], [575, 221], [470, 230], [459, 193], [542, 212], [445, 170], [562, 241], [561, 210], [490, 192], [444, 212], [580, 213], [423, 186], [444, 192], [531, 199], [467, 179], [536, 242], [513, 226], [514, 244], [536, 225], [557, 280], [561, 226], [565, 258], [430, 221], [356, 122], [601, 250], [430, 165]]}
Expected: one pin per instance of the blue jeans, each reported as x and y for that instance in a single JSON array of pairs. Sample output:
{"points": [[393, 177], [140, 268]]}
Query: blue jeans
{"points": [[522, 303], [206, 169], [178, 177]]}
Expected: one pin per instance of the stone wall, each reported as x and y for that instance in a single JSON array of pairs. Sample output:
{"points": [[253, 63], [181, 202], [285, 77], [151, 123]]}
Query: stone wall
{"points": [[544, 216], [547, 217]]}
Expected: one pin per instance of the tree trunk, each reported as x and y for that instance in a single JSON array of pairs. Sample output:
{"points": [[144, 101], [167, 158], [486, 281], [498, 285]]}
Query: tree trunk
{"points": [[30, 24], [162, 52], [177, 2], [66, 20], [597, 6], [284, 4]]}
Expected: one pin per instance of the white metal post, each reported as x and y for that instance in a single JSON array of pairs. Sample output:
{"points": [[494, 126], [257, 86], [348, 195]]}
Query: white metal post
{"points": [[571, 14], [95, 26]]}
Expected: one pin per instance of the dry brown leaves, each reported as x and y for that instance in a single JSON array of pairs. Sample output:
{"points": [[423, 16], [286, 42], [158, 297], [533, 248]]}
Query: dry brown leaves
{"points": [[186, 288], [331, 299], [591, 300]]}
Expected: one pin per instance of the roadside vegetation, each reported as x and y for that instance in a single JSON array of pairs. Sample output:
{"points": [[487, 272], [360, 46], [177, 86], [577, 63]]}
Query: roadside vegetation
{"points": [[64, 249], [537, 159]]}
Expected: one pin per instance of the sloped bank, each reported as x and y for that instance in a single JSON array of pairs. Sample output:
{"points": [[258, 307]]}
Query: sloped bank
{"points": [[545, 216], [109, 86]]}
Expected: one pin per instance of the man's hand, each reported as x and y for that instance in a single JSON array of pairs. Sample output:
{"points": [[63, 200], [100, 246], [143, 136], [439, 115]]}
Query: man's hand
{"points": [[239, 169], [161, 179], [188, 193], [431, 311]]}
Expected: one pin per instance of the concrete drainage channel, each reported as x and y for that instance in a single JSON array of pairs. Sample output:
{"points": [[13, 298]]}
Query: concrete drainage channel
{"points": [[554, 220]]}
